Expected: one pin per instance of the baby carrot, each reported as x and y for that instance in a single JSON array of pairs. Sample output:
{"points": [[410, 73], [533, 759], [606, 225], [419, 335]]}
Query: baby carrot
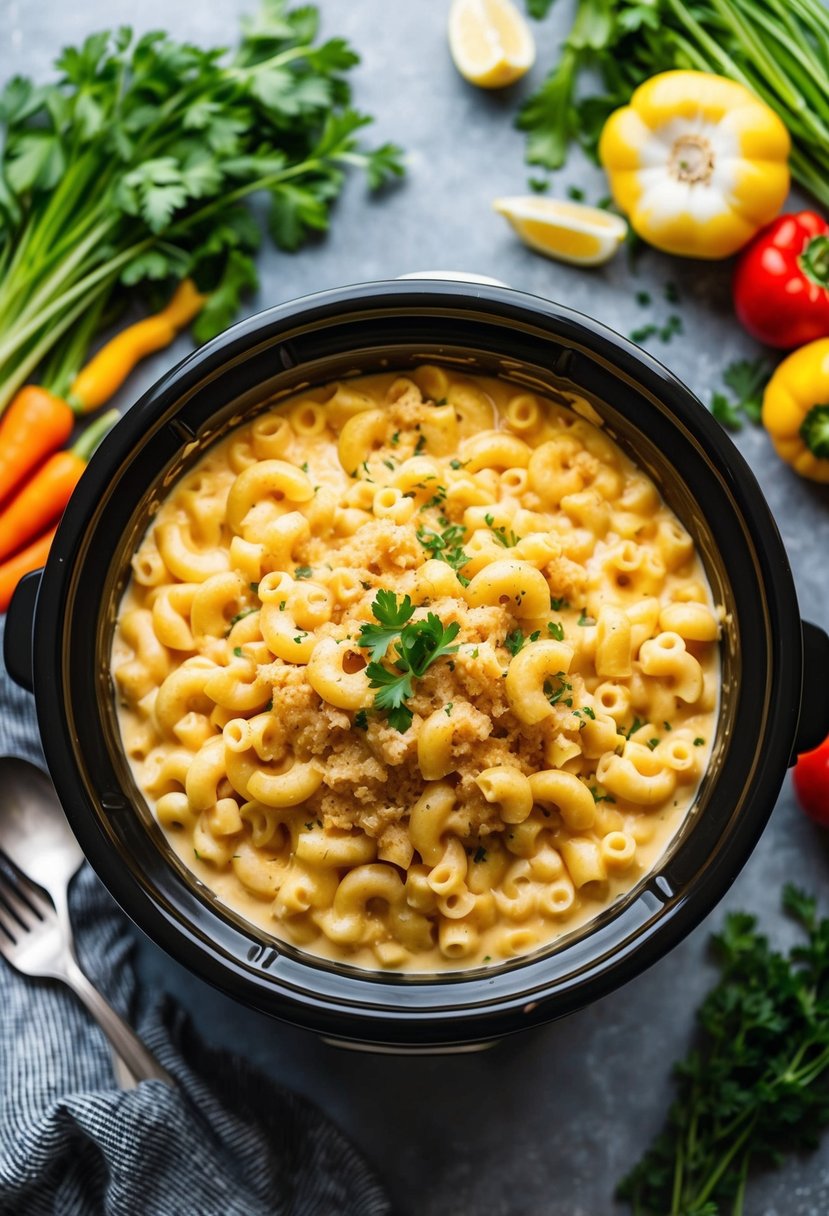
{"points": [[43, 499], [108, 369], [32, 558], [35, 423]]}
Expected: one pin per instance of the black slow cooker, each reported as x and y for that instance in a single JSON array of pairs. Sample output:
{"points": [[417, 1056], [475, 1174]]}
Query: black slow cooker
{"points": [[775, 694]]}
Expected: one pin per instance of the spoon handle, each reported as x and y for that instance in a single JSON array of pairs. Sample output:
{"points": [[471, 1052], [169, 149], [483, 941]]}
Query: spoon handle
{"points": [[137, 1058]]}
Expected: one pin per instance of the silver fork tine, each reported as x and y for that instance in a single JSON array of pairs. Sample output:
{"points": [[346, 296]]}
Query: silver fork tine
{"points": [[9, 930], [22, 899], [10, 872]]}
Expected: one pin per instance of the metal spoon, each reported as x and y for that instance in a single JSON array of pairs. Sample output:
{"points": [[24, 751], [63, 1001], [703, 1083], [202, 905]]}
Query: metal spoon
{"points": [[35, 835]]}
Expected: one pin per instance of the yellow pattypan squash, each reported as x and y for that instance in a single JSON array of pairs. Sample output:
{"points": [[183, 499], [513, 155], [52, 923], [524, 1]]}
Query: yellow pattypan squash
{"points": [[796, 410], [697, 163]]}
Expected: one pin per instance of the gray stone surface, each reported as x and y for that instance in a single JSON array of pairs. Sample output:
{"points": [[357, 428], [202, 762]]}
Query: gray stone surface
{"points": [[545, 1123]]}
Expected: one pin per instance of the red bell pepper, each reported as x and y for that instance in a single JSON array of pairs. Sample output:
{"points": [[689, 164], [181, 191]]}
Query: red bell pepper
{"points": [[781, 284], [811, 783]]}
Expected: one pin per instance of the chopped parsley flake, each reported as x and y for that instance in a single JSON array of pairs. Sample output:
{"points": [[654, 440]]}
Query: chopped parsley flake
{"points": [[554, 695], [556, 630], [672, 326], [514, 641], [446, 546], [240, 616], [643, 333], [303, 572], [507, 539]]}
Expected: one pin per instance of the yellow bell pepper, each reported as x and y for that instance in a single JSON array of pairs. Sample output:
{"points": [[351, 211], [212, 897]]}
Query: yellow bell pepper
{"points": [[796, 410], [696, 162]]}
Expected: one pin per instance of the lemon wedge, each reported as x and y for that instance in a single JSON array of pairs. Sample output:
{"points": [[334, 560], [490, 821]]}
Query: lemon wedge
{"points": [[490, 42], [570, 232]]}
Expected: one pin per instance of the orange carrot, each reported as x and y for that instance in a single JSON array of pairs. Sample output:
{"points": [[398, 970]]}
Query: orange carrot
{"points": [[40, 502], [108, 369], [32, 558], [35, 424]]}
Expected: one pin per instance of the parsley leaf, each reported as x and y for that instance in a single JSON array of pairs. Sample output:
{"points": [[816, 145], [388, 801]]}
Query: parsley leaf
{"points": [[725, 412], [419, 644], [392, 617], [747, 379]]}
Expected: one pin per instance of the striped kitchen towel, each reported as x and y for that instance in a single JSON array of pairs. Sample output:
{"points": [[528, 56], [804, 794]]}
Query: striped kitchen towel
{"points": [[228, 1142]]}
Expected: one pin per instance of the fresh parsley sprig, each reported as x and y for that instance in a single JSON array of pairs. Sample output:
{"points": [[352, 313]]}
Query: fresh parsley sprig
{"points": [[392, 617], [757, 1084], [747, 379], [419, 644]]}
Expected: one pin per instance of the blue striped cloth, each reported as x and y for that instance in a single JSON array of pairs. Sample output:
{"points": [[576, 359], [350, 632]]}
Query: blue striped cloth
{"points": [[228, 1143]]}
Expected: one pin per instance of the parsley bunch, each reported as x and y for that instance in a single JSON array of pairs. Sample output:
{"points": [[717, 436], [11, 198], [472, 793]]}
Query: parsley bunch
{"points": [[757, 1084], [134, 167], [418, 645]]}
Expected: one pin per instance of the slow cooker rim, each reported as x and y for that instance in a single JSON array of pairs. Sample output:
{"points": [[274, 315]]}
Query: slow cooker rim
{"points": [[675, 920]]}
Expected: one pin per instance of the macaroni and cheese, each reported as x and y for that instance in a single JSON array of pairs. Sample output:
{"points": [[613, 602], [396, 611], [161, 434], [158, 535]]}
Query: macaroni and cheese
{"points": [[417, 671]]}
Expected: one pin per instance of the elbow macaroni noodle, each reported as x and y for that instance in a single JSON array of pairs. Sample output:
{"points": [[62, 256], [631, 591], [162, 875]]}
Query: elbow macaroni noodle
{"points": [[550, 759]]}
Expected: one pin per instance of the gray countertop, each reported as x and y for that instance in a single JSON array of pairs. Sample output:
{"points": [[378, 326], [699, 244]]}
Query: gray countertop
{"points": [[546, 1122]]}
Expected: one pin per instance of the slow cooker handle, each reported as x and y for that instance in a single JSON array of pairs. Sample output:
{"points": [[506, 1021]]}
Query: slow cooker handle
{"points": [[20, 622], [813, 726]]}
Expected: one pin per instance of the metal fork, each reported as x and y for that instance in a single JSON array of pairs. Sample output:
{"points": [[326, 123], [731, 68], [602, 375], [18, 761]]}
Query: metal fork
{"points": [[34, 942]]}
